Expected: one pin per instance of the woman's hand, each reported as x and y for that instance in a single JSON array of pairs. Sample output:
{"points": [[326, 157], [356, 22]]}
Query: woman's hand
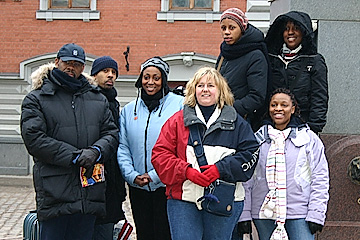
{"points": [[142, 180]]}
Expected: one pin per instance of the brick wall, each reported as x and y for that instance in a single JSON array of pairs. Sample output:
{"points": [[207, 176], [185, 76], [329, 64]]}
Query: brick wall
{"points": [[122, 23]]}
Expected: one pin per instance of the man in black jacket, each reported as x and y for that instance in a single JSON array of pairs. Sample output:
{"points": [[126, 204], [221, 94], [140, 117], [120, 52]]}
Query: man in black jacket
{"points": [[105, 71], [68, 128]]}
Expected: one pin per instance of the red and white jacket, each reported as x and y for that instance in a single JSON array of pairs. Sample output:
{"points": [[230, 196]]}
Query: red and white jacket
{"points": [[228, 142]]}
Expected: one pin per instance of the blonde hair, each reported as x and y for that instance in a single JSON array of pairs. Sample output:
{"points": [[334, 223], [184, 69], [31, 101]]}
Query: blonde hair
{"points": [[225, 95]]}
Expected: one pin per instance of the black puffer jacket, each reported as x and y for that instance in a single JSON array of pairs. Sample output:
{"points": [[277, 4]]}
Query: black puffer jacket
{"points": [[54, 124], [245, 68], [305, 75]]}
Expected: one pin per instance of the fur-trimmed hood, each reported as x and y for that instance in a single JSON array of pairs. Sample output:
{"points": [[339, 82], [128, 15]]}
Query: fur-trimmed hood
{"points": [[38, 76]]}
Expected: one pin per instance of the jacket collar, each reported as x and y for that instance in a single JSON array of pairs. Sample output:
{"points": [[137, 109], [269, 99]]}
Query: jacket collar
{"points": [[298, 135], [225, 121], [40, 79]]}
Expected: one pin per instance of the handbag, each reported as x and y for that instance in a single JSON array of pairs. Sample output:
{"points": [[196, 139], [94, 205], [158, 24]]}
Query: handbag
{"points": [[218, 197]]}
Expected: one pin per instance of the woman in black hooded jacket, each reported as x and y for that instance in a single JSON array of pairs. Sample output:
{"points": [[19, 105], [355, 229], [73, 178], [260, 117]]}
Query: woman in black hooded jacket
{"points": [[296, 65]]}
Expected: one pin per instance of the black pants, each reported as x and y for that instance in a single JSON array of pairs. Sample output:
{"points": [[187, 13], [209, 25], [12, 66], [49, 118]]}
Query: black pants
{"points": [[68, 227], [149, 212]]}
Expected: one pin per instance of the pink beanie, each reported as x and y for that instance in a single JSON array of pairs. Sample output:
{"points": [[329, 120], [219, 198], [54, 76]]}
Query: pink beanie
{"points": [[236, 15]]}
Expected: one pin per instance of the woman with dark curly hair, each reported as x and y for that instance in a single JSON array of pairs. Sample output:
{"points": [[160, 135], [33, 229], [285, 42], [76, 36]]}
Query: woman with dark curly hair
{"points": [[287, 196]]}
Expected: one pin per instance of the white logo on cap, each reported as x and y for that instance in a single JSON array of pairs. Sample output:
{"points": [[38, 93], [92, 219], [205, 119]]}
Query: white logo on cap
{"points": [[75, 52]]}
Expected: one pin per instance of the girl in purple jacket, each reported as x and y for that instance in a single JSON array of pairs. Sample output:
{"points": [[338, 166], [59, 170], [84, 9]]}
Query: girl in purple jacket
{"points": [[288, 194]]}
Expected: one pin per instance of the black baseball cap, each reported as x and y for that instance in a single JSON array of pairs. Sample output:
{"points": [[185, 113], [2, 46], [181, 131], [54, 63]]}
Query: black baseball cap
{"points": [[71, 51]]}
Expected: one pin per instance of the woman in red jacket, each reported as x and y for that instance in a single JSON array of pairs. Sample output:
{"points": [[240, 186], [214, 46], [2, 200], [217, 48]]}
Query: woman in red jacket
{"points": [[230, 150]]}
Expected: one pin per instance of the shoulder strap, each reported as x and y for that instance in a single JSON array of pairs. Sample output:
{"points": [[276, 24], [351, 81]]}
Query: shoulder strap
{"points": [[220, 63], [196, 142]]}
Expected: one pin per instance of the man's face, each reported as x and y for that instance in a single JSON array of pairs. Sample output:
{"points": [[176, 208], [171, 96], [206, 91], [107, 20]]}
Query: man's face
{"points": [[71, 68], [106, 78]]}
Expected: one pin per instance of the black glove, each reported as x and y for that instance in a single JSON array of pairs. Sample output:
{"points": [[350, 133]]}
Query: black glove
{"points": [[89, 172], [244, 228], [314, 227], [88, 157]]}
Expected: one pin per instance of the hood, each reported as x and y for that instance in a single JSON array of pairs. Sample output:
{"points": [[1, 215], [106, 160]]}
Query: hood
{"points": [[274, 37], [38, 76], [251, 35]]}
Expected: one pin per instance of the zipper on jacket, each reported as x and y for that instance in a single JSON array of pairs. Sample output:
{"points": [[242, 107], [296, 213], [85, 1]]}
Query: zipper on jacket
{"points": [[145, 148], [82, 192]]}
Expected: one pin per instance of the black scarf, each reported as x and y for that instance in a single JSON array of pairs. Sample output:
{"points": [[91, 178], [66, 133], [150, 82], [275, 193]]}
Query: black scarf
{"points": [[240, 49], [111, 94], [152, 101], [70, 82]]}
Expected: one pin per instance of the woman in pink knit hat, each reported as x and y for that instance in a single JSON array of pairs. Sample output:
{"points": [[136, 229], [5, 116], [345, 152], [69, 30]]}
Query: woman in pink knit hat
{"points": [[243, 62]]}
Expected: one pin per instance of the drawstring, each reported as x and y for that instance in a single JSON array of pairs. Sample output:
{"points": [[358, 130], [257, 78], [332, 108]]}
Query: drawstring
{"points": [[137, 97], [163, 97], [210, 197]]}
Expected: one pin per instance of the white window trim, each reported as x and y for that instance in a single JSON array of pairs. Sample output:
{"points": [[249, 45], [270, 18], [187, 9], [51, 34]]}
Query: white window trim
{"points": [[65, 14], [182, 15]]}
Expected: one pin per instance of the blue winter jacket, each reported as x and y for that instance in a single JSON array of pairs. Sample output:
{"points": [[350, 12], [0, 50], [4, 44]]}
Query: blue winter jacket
{"points": [[138, 135]]}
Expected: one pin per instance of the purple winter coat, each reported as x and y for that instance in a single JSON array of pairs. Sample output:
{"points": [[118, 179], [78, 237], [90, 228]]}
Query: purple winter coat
{"points": [[307, 177]]}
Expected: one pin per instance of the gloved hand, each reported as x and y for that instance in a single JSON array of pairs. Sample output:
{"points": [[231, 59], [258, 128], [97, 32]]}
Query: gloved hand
{"points": [[244, 228], [197, 177], [89, 172], [211, 172], [315, 227], [88, 157]]}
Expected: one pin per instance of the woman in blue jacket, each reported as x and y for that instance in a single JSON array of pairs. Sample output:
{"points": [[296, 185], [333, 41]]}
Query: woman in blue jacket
{"points": [[140, 123]]}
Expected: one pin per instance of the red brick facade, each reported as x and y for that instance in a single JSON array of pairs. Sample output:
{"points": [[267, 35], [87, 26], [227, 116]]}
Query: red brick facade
{"points": [[122, 23]]}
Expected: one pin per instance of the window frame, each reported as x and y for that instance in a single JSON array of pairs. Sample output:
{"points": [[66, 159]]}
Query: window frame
{"points": [[68, 7], [191, 6], [171, 15], [50, 14]]}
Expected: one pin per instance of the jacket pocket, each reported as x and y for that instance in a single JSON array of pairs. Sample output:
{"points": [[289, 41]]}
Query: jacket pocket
{"points": [[58, 184], [96, 192]]}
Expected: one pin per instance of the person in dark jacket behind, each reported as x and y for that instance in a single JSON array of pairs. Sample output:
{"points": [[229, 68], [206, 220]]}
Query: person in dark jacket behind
{"points": [[68, 128], [105, 71], [230, 148], [243, 63], [296, 65]]}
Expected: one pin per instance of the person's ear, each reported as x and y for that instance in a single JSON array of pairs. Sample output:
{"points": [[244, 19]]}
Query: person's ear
{"points": [[57, 62]]}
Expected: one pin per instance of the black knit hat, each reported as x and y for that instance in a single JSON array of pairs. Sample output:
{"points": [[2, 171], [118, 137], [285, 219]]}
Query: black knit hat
{"points": [[104, 62], [158, 63]]}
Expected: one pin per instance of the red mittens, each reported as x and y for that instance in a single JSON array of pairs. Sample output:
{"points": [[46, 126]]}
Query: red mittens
{"points": [[197, 177], [211, 172]]}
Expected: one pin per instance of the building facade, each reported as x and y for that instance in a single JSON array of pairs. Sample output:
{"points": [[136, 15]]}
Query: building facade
{"points": [[186, 34]]}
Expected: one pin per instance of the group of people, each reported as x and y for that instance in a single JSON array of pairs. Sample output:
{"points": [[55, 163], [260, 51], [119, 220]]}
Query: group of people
{"points": [[256, 114]]}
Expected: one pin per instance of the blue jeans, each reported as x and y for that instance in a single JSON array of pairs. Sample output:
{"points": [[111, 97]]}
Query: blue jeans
{"points": [[189, 223], [297, 229]]}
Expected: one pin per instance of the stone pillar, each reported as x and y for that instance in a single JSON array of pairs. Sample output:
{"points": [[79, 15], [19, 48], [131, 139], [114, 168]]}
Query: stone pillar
{"points": [[338, 39]]}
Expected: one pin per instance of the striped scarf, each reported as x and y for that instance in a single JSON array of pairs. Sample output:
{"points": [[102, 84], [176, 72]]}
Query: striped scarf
{"points": [[288, 54], [274, 205]]}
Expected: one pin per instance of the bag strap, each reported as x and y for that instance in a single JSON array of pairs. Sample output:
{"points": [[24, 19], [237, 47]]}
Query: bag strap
{"points": [[196, 142], [220, 63]]}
